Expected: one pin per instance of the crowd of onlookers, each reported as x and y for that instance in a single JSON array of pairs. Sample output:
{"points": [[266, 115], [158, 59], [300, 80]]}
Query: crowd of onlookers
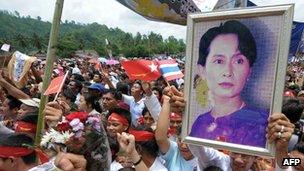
{"points": [[140, 123]]}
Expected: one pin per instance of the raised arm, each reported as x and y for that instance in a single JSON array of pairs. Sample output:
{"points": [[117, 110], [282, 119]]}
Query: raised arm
{"points": [[162, 126], [151, 101], [127, 144], [12, 90]]}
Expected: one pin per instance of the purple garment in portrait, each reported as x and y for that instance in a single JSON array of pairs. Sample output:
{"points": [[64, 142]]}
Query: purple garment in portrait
{"points": [[246, 126]]}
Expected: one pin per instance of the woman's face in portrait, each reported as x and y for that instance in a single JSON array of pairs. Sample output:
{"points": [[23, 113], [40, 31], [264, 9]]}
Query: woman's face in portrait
{"points": [[226, 69]]}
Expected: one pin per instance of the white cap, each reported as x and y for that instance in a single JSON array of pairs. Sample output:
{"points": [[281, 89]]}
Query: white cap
{"points": [[34, 102]]}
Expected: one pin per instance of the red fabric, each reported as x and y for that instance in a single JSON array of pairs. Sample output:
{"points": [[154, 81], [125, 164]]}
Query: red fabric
{"points": [[142, 135], [118, 118], [6, 152], [140, 120], [41, 155], [25, 127], [55, 85], [82, 116], [141, 70]]}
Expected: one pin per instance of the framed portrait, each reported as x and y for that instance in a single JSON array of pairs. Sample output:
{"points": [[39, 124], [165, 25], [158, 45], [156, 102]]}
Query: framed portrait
{"points": [[235, 73]]}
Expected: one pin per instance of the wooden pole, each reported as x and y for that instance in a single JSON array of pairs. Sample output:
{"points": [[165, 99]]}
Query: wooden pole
{"points": [[50, 59]]}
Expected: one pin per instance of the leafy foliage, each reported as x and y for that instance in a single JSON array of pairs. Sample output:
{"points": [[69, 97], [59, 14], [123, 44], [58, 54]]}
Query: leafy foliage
{"points": [[30, 35]]}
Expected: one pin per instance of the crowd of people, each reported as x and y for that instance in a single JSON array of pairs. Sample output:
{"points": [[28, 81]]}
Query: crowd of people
{"points": [[139, 123]]}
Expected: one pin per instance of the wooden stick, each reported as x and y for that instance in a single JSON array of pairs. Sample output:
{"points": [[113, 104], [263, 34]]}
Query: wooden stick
{"points": [[50, 59]]}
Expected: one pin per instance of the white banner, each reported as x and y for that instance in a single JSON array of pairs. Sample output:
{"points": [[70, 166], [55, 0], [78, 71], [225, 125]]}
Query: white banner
{"points": [[5, 47]]}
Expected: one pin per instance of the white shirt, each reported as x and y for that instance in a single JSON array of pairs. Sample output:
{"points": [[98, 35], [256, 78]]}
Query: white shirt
{"points": [[153, 106], [157, 165], [136, 108], [115, 166], [211, 157]]}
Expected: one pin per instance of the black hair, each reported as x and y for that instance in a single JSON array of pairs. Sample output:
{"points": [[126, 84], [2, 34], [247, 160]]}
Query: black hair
{"points": [[122, 87], [30, 118], [78, 77], [144, 111], [247, 45], [213, 168], [19, 140], [296, 88], [139, 83], [13, 102], [69, 94], [300, 147], [150, 147], [123, 112], [78, 84], [116, 94], [99, 75], [292, 108], [93, 101], [159, 90]]}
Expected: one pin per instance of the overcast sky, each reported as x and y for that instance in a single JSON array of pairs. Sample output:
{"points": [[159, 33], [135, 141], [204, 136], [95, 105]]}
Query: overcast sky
{"points": [[110, 13]]}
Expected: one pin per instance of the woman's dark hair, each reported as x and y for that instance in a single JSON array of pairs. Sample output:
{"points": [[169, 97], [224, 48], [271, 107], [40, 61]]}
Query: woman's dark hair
{"points": [[247, 45], [69, 94], [19, 140], [144, 111], [93, 101], [78, 77], [150, 147], [30, 118], [13, 102], [123, 112], [292, 108]]}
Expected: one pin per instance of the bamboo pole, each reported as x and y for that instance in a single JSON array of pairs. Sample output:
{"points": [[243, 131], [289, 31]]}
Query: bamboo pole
{"points": [[50, 59]]}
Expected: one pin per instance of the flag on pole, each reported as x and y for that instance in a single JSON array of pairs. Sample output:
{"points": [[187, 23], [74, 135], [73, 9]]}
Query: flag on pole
{"points": [[141, 70], [169, 69], [5, 47], [55, 85]]}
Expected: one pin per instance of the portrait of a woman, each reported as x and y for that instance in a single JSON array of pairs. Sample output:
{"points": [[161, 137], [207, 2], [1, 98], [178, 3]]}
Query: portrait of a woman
{"points": [[226, 57]]}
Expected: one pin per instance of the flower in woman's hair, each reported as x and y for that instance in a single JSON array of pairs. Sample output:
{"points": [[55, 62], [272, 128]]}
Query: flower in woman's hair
{"points": [[82, 116], [76, 125]]}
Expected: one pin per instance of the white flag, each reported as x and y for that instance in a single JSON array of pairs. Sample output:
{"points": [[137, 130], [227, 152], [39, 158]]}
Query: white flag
{"points": [[5, 47]]}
